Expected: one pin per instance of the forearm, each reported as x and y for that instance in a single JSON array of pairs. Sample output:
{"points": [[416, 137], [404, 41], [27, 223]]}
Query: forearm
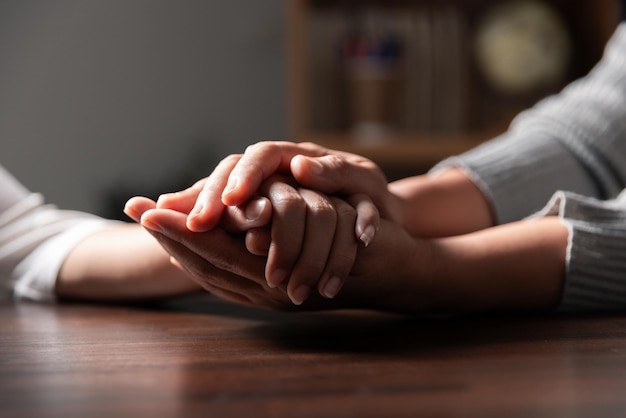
{"points": [[571, 141], [518, 266], [120, 263], [441, 204]]}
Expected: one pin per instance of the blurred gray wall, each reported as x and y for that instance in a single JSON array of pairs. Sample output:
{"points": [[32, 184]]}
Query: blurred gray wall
{"points": [[94, 91]]}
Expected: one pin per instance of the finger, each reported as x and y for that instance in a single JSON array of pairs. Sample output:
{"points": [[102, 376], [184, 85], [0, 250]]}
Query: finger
{"points": [[136, 206], [220, 248], [343, 252], [208, 208], [255, 213], [367, 218], [258, 163], [219, 282], [321, 220], [339, 173], [350, 176], [287, 231], [182, 201], [222, 283], [258, 240]]}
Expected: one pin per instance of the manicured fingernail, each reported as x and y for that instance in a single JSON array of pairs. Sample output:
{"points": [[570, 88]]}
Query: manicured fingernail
{"points": [[255, 208], [332, 287], [301, 294], [368, 235], [276, 278]]}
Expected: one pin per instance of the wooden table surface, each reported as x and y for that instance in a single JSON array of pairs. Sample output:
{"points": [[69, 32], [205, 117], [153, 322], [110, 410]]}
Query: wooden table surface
{"points": [[203, 357]]}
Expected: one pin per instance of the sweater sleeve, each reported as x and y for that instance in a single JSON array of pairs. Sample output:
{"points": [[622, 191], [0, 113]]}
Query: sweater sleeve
{"points": [[595, 263], [573, 141], [571, 146], [35, 239]]}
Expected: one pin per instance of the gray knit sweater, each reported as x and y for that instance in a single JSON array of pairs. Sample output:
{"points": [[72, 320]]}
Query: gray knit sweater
{"points": [[568, 155]]}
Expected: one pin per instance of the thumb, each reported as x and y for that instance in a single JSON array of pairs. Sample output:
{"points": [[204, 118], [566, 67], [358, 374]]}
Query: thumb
{"points": [[340, 174], [136, 206], [182, 201]]}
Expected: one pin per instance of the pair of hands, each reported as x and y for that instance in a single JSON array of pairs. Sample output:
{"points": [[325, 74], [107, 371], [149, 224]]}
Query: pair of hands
{"points": [[279, 221]]}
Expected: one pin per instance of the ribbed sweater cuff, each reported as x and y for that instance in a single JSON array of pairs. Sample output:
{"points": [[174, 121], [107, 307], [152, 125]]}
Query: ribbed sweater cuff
{"points": [[595, 254], [519, 174]]}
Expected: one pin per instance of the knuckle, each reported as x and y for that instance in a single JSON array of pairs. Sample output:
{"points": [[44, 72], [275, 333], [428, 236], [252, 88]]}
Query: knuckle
{"points": [[337, 162], [318, 203], [267, 146], [311, 147], [322, 208], [344, 211], [230, 159], [285, 201]]}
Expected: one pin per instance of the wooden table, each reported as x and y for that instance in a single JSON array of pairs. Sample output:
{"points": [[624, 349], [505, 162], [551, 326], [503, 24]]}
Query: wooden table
{"points": [[202, 357]]}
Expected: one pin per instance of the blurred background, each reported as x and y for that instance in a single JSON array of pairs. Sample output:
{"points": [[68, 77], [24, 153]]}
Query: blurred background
{"points": [[101, 100]]}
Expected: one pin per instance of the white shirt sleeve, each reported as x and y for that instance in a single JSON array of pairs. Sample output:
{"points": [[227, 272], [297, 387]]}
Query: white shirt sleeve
{"points": [[35, 239]]}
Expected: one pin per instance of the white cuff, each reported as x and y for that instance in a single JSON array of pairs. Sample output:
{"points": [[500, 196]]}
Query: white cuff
{"points": [[37, 273]]}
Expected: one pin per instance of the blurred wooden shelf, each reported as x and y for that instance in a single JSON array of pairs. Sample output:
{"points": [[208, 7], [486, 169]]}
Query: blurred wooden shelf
{"points": [[590, 25]]}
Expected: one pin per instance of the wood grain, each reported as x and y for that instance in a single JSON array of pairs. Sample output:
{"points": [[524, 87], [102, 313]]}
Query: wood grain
{"points": [[202, 357]]}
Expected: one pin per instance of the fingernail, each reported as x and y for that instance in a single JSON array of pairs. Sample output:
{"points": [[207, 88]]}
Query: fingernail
{"points": [[196, 210], [332, 287], [131, 214], [276, 278], [255, 208], [368, 235], [230, 186], [150, 225], [300, 294]]}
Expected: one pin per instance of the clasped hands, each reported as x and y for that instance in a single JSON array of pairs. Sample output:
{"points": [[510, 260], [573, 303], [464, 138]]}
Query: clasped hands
{"points": [[282, 224], [288, 225]]}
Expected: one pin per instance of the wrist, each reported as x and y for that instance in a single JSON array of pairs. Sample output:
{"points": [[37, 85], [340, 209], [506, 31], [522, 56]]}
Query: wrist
{"points": [[517, 266], [442, 204]]}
